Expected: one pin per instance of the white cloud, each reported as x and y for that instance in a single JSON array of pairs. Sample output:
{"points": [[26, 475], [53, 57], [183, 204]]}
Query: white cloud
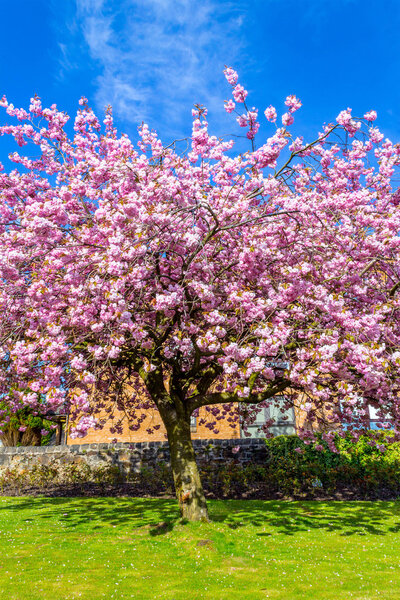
{"points": [[155, 58]]}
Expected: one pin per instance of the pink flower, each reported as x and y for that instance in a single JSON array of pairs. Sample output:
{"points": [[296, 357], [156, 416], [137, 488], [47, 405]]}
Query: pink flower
{"points": [[35, 106], [396, 202], [297, 145], [78, 363], [242, 120], [229, 106], [371, 115], [345, 119], [82, 427], [239, 93], [252, 131], [293, 103], [231, 75], [114, 352], [375, 135], [270, 114], [235, 449], [287, 119]]}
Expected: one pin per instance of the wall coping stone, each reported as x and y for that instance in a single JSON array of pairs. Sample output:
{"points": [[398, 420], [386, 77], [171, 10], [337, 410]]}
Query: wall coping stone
{"points": [[132, 446]]}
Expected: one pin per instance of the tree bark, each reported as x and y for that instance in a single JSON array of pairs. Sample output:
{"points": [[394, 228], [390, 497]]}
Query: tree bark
{"points": [[188, 487]]}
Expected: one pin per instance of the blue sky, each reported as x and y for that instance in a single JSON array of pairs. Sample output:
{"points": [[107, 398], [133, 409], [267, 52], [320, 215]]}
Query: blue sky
{"points": [[152, 59]]}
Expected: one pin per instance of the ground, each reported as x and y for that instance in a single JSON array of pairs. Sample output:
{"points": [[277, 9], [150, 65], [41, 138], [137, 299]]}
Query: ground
{"points": [[94, 548]]}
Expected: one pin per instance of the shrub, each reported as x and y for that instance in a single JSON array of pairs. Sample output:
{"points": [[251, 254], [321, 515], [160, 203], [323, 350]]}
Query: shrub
{"points": [[25, 428], [358, 465]]}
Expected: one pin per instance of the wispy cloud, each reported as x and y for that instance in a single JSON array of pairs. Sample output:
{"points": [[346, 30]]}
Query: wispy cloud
{"points": [[154, 57]]}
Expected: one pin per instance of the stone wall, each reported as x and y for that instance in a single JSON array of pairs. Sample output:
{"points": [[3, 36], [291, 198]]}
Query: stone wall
{"points": [[129, 457]]}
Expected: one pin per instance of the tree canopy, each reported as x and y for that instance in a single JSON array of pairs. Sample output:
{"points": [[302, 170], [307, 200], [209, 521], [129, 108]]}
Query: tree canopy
{"points": [[149, 276]]}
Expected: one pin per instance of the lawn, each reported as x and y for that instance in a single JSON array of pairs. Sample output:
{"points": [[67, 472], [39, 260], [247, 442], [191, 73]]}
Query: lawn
{"points": [[137, 548]]}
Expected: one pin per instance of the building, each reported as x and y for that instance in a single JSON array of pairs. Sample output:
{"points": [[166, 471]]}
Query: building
{"points": [[152, 429], [286, 422]]}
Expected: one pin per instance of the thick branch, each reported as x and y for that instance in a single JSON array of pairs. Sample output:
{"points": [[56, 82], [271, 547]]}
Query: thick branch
{"points": [[224, 397]]}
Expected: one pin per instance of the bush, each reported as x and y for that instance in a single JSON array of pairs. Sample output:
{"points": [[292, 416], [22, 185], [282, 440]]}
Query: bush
{"points": [[26, 428], [359, 465]]}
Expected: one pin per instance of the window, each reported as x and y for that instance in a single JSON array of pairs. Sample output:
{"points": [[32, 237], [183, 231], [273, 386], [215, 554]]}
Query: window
{"points": [[374, 418], [284, 421], [193, 423]]}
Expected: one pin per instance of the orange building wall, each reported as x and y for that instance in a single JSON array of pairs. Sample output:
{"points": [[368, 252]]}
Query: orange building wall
{"points": [[225, 431]]}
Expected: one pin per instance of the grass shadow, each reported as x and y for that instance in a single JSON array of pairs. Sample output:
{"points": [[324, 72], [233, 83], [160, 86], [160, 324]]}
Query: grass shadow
{"points": [[286, 517], [154, 514], [159, 516]]}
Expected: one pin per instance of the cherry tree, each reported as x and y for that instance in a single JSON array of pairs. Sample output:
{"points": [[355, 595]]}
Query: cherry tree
{"points": [[147, 276]]}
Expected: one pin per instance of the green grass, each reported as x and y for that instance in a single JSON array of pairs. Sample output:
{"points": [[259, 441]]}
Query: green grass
{"points": [[137, 548]]}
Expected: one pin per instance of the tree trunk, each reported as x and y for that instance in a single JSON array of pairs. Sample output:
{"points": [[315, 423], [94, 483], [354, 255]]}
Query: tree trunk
{"points": [[188, 487]]}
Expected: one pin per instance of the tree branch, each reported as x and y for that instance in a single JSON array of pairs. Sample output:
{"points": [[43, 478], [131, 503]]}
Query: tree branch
{"points": [[224, 397]]}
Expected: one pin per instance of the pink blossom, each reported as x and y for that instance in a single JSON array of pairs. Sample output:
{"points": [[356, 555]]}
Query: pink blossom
{"points": [[345, 119], [82, 427], [375, 135], [113, 352], [239, 93], [78, 363], [270, 114], [371, 115], [242, 120], [293, 103], [287, 119], [231, 75], [229, 106]]}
